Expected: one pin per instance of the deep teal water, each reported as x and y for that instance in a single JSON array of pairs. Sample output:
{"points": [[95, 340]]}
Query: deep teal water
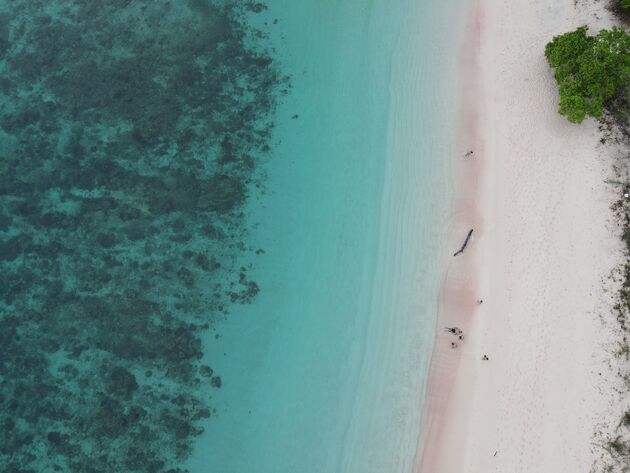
{"points": [[132, 135], [220, 232]]}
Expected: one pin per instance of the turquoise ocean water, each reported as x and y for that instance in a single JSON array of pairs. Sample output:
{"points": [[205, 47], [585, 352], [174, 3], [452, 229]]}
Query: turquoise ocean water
{"points": [[221, 228], [325, 371]]}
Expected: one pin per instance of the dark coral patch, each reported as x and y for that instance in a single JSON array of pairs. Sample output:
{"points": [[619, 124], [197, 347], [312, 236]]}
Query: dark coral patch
{"points": [[132, 132]]}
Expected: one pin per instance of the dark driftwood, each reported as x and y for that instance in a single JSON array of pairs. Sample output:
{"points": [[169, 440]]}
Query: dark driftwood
{"points": [[461, 250]]}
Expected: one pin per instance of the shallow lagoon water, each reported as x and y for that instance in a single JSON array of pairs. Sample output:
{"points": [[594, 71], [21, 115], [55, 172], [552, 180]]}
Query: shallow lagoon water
{"points": [[325, 370]]}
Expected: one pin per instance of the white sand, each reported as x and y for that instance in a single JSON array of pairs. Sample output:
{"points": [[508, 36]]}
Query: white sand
{"points": [[544, 244]]}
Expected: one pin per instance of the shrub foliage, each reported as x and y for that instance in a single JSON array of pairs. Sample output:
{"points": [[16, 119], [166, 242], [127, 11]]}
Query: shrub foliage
{"points": [[589, 70]]}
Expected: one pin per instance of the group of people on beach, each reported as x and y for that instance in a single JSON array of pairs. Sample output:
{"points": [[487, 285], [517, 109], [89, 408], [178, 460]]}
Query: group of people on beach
{"points": [[458, 332]]}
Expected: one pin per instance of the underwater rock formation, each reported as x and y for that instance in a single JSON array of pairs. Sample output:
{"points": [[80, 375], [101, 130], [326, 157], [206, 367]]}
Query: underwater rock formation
{"points": [[131, 131]]}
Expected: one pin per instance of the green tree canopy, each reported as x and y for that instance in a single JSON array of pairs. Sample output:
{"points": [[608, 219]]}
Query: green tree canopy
{"points": [[589, 69], [625, 4]]}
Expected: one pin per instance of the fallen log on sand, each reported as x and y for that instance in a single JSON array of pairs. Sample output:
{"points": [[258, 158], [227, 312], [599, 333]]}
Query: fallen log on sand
{"points": [[461, 250]]}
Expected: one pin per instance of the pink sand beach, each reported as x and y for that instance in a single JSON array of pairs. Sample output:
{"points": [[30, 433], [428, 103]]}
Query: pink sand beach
{"points": [[543, 242]]}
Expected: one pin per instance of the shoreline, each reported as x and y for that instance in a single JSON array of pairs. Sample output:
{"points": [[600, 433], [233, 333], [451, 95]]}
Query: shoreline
{"points": [[536, 198], [459, 289]]}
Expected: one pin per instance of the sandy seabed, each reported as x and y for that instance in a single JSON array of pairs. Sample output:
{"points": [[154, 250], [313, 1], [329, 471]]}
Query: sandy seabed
{"points": [[544, 242]]}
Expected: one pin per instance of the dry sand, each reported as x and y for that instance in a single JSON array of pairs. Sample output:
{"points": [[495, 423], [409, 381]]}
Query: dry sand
{"points": [[543, 243]]}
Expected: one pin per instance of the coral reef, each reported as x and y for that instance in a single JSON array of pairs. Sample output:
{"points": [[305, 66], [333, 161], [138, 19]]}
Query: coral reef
{"points": [[131, 132]]}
